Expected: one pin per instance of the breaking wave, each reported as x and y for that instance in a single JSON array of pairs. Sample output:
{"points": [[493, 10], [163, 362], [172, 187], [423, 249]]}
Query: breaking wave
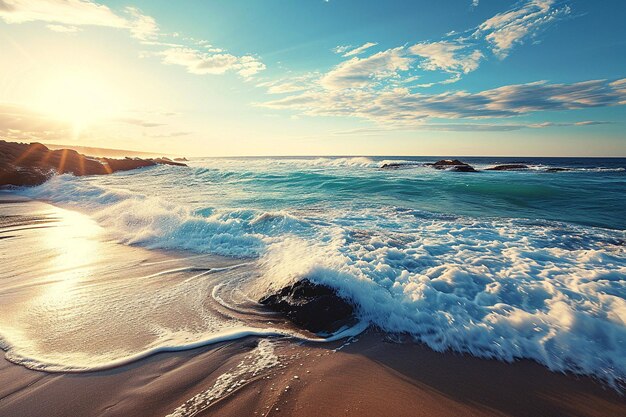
{"points": [[490, 285]]}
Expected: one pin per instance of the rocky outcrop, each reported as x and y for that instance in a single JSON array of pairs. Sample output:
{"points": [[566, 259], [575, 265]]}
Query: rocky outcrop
{"points": [[462, 168], [392, 166], [557, 169], [314, 307], [31, 164], [453, 165], [399, 165], [508, 167]]}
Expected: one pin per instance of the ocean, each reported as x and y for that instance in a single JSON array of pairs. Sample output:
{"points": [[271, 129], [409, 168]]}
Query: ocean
{"points": [[499, 264]]}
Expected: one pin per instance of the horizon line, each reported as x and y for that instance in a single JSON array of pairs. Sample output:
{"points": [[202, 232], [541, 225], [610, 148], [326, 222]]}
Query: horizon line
{"points": [[60, 146]]}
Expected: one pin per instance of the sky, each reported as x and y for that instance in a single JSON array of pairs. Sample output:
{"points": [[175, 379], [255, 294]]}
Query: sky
{"points": [[317, 77]]}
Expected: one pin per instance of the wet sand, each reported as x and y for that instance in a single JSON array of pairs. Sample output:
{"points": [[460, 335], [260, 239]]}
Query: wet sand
{"points": [[370, 375]]}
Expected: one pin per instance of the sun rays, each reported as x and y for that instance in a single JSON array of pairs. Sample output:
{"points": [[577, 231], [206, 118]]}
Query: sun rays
{"points": [[80, 99]]}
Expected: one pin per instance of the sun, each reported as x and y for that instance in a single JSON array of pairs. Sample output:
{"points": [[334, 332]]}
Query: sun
{"points": [[79, 99]]}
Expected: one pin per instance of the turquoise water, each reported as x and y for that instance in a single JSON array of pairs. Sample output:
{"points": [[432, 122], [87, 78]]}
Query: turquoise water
{"points": [[593, 193], [519, 264]]}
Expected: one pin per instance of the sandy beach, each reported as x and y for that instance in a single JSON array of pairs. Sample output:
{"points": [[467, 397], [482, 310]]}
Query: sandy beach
{"points": [[373, 374], [329, 208], [369, 377]]}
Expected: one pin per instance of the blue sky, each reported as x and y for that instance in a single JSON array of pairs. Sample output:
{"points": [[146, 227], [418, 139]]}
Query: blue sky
{"points": [[284, 77]]}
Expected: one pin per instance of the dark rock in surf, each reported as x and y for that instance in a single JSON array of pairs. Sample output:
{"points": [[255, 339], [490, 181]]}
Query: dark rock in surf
{"points": [[391, 166], [507, 167], [453, 165], [128, 164], [398, 165], [462, 168], [557, 169], [314, 307], [23, 164], [446, 163], [183, 159]]}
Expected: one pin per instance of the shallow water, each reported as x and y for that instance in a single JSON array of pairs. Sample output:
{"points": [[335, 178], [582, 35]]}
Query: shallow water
{"points": [[520, 264], [72, 300]]}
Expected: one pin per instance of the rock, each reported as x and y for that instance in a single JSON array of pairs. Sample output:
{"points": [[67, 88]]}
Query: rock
{"points": [[167, 161], [314, 307], [24, 164], [11, 175], [462, 168], [399, 165], [507, 167], [391, 166], [453, 165], [183, 159], [127, 164], [557, 169], [448, 162]]}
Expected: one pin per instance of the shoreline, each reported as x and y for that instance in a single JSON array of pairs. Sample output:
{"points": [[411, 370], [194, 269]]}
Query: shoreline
{"points": [[368, 375], [364, 377]]}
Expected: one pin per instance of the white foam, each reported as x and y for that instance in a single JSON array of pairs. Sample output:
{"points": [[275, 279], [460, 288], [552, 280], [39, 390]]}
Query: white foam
{"points": [[498, 288], [321, 162], [401, 163], [157, 223], [340, 162], [493, 289], [259, 360], [170, 341]]}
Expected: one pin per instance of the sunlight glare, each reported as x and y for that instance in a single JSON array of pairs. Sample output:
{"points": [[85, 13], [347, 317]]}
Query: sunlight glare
{"points": [[78, 98], [74, 240]]}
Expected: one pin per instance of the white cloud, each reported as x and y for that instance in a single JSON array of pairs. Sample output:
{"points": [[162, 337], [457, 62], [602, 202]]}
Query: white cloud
{"points": [[447, 56], [400, 106], [290, 85], [138, 122], [197, 62], [509, 28], [63, 28], [249, 65], [357, 51], [76, 13], [70, 15], [141, 26], [456, 54], [341, 49], [381, 87], [501, 33], [361, 72], [19, 123], [69, 12], [620, 87], [469, 127], [172, 134]]}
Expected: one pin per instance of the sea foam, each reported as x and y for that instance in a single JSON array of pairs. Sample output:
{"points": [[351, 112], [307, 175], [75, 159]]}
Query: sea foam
{"points": [[496, 287]]}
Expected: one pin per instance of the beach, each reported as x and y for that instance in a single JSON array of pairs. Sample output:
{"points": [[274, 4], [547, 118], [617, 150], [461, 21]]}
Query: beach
{"points": [[312, 208], [370, 376], [95, 326]]}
